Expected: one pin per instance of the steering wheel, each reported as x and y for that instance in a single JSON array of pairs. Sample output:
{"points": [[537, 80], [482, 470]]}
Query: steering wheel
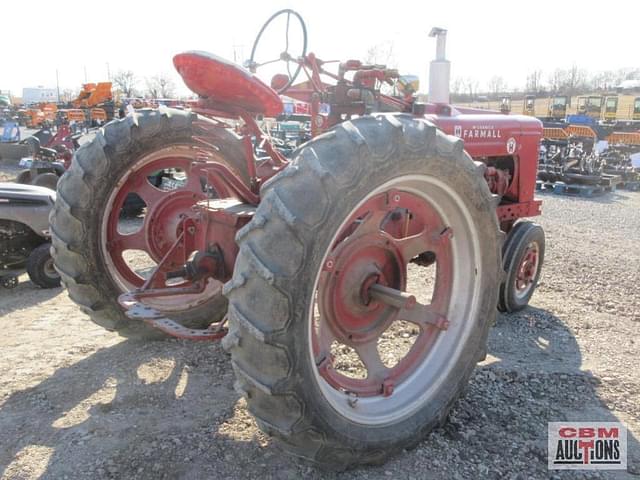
{"points": [[285, 56]]}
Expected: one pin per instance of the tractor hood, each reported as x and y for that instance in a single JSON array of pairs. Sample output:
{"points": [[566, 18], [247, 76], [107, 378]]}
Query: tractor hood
{"points": [[27, 204], [17, 193]]}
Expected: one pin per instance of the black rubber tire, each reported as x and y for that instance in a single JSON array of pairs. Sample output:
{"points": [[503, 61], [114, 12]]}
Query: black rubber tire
{"points": [[38, 263], [24, 177], [512, 252], [48, 180], [76, 217], [280, 253]]}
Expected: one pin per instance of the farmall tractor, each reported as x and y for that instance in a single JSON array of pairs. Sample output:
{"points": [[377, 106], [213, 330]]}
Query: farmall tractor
{"points": [[294, 261]]}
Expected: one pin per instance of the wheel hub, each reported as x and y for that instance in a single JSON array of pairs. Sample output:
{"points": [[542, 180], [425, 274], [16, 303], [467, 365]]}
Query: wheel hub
{"points": [[163, 221], [528, 268], [361, 290], [355, 266]]}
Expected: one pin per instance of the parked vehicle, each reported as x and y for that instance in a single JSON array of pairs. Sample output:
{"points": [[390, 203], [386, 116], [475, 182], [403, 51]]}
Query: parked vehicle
{"points": [[24, 235]]}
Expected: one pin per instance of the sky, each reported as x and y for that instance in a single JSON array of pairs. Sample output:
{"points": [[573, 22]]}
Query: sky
{"points": [[485, 38]]}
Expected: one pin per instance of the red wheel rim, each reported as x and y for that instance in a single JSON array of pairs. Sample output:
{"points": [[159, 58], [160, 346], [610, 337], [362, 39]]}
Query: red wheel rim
{"points": [[527, 270], [375, 246], [160, 226]]}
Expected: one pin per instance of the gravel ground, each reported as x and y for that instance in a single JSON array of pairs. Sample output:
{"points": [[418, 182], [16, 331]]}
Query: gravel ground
{"points": [[77, 402]]}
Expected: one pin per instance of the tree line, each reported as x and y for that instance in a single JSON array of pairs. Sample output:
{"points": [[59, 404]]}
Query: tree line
{"points": [[157, 86], [570, 81]]}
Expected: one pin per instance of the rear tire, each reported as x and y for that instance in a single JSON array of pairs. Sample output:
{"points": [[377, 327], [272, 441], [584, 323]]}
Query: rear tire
{"points": [[40, 267], [282, 253], [514, 294], [24, 177], [82, 198]]}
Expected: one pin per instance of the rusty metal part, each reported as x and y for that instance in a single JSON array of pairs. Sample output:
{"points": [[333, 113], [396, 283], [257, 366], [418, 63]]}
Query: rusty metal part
{"points": [[207, 244], [136, 310], [498, 180]]}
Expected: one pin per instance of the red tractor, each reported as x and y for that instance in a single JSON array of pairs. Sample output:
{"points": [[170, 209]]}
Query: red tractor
{"points": [[293, 260]]}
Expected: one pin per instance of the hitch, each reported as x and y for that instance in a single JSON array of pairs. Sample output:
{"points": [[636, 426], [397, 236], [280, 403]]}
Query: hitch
{"points": [[137, 310], [200, 266]]}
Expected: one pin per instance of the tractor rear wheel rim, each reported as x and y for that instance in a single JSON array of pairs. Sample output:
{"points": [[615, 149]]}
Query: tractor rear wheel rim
{"points": [[527, 270], [159, 229], [392, 225]]}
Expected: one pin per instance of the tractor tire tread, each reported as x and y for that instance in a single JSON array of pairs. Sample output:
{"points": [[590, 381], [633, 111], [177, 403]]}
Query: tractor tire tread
{"points": [[76, 204], [261, 338]]}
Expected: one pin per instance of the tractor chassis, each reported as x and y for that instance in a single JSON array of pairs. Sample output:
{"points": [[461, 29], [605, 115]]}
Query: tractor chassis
{"points": [[209, 228]]}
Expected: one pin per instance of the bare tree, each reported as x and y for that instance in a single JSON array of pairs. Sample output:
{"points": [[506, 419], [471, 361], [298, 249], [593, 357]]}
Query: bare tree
{"points": [[497, 85], [632, 74], [69, 94], [602, 80], [160, 86], [534, 81], [557, 80], [381, 53], [457, 85], [576, 80], [126, 81], [472, 86]]}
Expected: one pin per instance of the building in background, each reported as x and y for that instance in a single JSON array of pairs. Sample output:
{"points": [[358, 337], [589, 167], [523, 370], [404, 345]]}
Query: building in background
{"points": [[39, 94]]}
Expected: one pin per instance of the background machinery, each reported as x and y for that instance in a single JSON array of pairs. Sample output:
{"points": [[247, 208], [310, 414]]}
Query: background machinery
{"points": [[610, 108], [558, 107], [95, 100], [529, 105], [505, 105], [24, 235], [294, 261], [590, 106]]}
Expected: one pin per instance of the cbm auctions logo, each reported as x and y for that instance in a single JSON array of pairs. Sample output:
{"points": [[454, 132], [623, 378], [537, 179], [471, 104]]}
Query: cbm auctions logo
{"points": [[587, 446]]}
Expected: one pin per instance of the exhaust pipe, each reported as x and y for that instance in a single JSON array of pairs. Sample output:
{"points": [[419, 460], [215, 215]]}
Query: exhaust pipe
{"points": [[439, 69]]}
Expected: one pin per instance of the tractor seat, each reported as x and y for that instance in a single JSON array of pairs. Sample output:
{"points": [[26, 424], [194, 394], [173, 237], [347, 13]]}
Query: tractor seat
{"points": [[227, 83]]}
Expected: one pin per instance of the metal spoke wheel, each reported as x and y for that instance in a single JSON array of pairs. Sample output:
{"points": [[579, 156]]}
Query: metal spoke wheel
{"points": [[142, 164], [285, 56], [336, 265], [165, 184], [523, 254], [362, 291]]}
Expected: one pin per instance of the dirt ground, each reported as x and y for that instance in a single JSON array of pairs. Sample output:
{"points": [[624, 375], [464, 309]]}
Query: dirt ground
{"points": [[78, 402]]}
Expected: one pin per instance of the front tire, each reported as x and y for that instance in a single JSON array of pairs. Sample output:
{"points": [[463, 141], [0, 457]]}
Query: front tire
{"points": [[40, 267], [523, 255], [285, 265], [24, 177]]}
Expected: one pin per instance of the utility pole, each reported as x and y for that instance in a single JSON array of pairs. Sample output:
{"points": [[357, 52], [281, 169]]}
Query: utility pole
{"points": [[58, 85], [85, 74], [108, 72]]}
